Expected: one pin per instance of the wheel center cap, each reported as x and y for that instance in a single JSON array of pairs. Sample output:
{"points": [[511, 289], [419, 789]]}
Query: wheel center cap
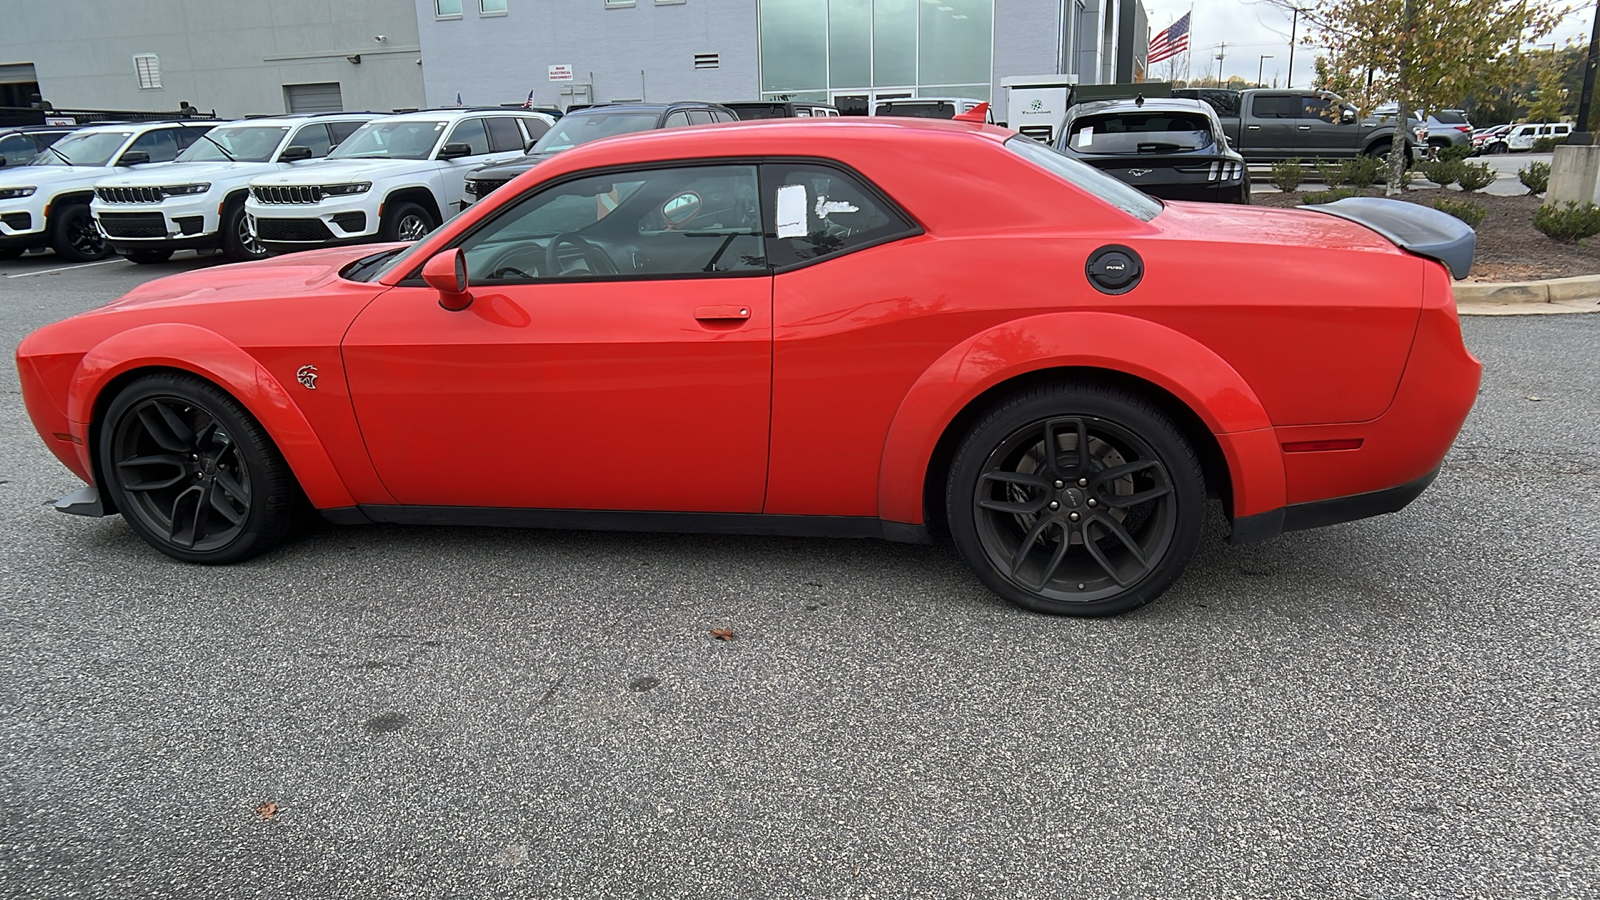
{"points": [[1072, 498], [208, 466]]}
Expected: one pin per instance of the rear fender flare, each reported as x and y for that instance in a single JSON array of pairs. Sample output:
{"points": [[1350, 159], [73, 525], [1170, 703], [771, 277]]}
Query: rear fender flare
{"points": [[207, 354], [1175, 362]]}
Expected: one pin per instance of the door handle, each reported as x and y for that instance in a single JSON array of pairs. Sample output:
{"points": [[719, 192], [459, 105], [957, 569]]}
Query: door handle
{"points": [[1253, 127], [721, 313], [1305, 127]]}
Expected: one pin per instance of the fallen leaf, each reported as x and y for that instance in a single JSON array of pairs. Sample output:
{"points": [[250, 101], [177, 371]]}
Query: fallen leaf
{"points": [[722, 634], [1534, 399], [267, 810]]}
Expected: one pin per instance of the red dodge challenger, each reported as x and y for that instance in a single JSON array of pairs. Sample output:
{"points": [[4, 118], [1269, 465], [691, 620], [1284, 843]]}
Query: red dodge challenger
{"points": [[876, 328]]}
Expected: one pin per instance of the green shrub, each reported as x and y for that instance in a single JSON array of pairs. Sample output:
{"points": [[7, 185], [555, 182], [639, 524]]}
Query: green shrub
{"points": [[1329, 171], [1455, 151], [1365, 171], [1545, 144], [1475, 176], [1443, 172], [1286, 175], [1317, 197], [1466, 211], [1536, 177], [1568, 223]]}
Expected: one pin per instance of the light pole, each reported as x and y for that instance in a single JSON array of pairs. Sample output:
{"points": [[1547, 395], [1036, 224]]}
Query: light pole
{"points": [[1294, 20], [1589, 61], [1259, 63], [1222, 52]]}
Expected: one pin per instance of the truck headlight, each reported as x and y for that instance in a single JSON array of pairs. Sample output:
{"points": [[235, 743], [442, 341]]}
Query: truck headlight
{"points": [[176, 190], [340, 190], [16, 193]]}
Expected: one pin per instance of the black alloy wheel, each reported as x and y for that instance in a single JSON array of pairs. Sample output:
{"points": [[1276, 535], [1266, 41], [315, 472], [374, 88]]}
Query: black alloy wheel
{"points": [[1081, 500], [406, 222], [75, 236], [192, 472]]}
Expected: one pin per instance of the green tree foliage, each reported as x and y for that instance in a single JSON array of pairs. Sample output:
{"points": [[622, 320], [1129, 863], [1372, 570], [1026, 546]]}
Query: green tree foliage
{"points": [[1547, 101]]}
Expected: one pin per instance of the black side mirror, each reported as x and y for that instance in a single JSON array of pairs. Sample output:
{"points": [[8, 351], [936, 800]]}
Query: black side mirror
{"points": [[134, 158], [455, 150], [528, 147], [296, 154]]}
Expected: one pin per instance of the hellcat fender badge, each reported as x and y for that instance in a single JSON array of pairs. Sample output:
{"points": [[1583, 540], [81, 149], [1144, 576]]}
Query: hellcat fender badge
{"points": [[307, 376]]}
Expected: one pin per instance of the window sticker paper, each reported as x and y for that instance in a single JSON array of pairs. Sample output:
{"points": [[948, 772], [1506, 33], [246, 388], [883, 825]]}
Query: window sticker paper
{"points": [[826, 207], [792, 211], [1086, 136]]}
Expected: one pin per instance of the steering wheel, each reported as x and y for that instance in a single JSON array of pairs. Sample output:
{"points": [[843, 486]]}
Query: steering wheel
{"points": [[599, 263]]}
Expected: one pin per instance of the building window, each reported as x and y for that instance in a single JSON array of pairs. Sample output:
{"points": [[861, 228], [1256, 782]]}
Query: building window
{"points": [[148, 68], [618, 4], [447, 9], [491, 7], [707, 60], [670, 2]]}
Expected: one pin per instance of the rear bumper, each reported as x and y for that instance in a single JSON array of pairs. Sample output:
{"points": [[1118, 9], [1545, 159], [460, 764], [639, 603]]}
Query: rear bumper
{"points": [[1318, 513]]}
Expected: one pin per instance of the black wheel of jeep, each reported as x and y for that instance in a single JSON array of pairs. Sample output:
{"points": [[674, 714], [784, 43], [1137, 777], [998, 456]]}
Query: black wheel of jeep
{"points": [[192, 471], [148, 257], [75, 236], [1076, 499], [239, 241], [406, 222]]}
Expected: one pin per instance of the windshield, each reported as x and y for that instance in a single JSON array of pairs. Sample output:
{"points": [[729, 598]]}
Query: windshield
{"points": [[83, 149], [1114, 192], [1141, 132], [936, 110], [411, 139], [1450, 117], [572, 130], [748, 111], [252, 143]]}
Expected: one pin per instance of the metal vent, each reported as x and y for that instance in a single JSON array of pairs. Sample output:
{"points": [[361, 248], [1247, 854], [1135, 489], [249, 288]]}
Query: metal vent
{"points": [[707, 61], [148, 68], [1040, 133]]}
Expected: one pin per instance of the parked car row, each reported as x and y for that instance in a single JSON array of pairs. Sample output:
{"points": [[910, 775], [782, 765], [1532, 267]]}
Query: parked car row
{"points": [[1518, 138]]}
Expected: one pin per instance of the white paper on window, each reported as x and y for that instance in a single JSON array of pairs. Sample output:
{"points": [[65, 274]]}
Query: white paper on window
{"points": [[826, 207], [1086, 136], [792, 211]]}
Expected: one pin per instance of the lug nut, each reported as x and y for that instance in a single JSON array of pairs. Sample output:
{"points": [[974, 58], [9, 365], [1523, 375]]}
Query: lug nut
{"points": [[1060, 484], [1083, 482], [1092, 502], [1073, 516], [1081, 585], [1054, 505]]}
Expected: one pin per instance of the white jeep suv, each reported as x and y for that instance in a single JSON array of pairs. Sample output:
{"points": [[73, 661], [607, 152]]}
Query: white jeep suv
{"points": [[198, 202], [46, 202], [396, 179]]}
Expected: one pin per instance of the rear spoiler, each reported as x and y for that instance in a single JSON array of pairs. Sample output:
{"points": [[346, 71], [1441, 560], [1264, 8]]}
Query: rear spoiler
{"points": [[1416, 229]]}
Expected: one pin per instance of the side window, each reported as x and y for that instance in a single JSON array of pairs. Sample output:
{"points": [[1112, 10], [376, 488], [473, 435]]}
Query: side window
{"points": [[534, 128], [800, 112], [314, 136], [815, 211], [161, 144], [504, 134], [660, 223], [471, 133], [1275, 106], [1317, 108], [188, 136], [700, 116], [17, 149], [341, 130], [677, 120], [724, 116]]}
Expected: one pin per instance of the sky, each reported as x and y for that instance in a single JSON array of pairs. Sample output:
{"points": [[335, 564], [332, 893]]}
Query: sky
{"points": [[1256, 28]]}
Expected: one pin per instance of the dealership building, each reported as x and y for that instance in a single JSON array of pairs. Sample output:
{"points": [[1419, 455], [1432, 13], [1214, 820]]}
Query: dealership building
{"points": [[312, 55]]}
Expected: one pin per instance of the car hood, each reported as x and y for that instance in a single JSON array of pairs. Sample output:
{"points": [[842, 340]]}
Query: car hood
{"points": [[282, 276], [340, 171], [54, 175], [509, 170], [186, 173]]}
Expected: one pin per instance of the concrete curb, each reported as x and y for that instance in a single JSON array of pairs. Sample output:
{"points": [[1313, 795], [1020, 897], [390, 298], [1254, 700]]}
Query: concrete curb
{"points": [[1527, 298]]}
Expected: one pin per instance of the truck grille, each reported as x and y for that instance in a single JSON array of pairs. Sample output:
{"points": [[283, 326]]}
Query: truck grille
{"points": [[134, 225], [299, 230], [291, 194], [129, 194], [483, 187]]}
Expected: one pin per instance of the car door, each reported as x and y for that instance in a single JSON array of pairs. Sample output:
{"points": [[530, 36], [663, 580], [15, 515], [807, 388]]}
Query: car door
{"points": [[474, 133], [1272, 129], [616, 355], [1320, 130]]}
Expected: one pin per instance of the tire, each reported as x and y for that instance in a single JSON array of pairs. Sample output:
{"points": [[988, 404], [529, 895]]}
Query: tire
{"points": [[1497, 148], [1115, 558], [75, 237], [148, 257], [192, 471], [239, 242], [401, 221]]}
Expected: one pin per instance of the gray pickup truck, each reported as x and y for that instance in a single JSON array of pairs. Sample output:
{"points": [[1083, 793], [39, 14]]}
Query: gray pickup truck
{"points": [[1266, 125]]}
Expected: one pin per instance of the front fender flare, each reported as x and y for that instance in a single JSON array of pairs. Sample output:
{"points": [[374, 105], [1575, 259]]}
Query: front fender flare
{"points": [[209, 355], [1173, 361]]}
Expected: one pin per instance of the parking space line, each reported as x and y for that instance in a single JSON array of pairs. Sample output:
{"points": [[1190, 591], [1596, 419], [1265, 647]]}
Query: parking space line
{"points": [[103, 262]]}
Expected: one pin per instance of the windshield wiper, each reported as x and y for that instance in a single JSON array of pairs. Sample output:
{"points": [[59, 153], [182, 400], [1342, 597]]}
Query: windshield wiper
{"points": [[213, 142], [64, 157]]}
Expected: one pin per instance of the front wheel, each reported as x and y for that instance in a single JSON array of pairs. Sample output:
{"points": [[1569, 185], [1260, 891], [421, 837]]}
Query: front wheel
{"points": [[406, 222], [1076, 499], [239, 241], [75, 237], [192, 472]]}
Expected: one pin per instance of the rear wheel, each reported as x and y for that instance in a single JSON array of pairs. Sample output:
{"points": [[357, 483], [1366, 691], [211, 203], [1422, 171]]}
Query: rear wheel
{"points": [[148, 257], [192, 472], [406, 222], [239, 241], [1076, 499], [74, 235]]}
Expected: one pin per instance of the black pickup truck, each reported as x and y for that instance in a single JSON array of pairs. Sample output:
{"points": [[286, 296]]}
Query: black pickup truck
{"points": [[1267, 125]]}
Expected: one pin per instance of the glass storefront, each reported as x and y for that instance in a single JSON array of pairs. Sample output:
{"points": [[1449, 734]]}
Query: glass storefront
{"points": [[855, 52]]}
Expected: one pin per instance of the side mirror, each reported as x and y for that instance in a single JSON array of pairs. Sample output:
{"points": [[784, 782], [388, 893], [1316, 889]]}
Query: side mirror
{"points": [[527, 146], [447, 274], [134, 158], [680, 209], [295, 154], [455, 150], [1347, 116]]}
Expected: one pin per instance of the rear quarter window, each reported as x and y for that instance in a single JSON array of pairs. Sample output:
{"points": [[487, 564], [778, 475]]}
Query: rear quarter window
{"points": [[1128, 199]]}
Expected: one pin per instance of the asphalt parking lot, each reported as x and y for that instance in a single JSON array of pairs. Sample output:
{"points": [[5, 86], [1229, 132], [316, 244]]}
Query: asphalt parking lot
{"points": [[1401, 707]]}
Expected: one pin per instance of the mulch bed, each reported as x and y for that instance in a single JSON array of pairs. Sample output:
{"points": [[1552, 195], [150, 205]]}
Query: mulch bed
{"points": [[1509, 247]]}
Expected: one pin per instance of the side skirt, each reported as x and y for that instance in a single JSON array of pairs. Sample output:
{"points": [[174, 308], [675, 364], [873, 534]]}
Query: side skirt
{"points": [[609, 520]]}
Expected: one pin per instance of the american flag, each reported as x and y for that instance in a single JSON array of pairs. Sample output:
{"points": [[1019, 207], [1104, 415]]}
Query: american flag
{"points": [[1171, 42], [528, 103]]}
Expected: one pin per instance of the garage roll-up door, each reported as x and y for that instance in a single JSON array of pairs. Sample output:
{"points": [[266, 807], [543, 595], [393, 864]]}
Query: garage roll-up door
{"points": [[312, 98], [17, 73]]}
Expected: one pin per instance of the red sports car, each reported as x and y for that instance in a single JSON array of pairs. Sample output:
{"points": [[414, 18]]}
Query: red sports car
{"points": [[860, 328]]}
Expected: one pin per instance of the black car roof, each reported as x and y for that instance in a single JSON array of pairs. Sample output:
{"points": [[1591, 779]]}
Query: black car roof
{"points": [[1157, 104], [653, 107]]}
